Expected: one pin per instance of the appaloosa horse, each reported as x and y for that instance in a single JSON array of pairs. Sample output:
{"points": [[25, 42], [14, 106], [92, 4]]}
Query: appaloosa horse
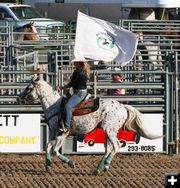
{"points": [[111, 115]]}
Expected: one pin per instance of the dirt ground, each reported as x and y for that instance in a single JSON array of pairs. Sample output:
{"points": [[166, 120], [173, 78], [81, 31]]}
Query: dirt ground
{"points": [[126, 171]]}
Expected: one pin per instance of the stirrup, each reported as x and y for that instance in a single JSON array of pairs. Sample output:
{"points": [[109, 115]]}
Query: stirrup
{"points": [[64, 129]]}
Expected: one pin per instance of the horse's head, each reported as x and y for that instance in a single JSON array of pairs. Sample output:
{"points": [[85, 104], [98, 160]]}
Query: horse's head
{"points": [[31, 92], [31, 28], [26, 32]]}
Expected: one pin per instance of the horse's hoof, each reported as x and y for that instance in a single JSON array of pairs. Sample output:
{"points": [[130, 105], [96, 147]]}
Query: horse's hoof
{"points": [[106, 168], [96, 172], [48, 162], [71, 164], [48, 168]]}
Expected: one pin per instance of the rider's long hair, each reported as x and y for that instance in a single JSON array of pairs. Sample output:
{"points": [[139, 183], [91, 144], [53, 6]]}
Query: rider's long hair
{"points": [[86, 69], [85, 66]]}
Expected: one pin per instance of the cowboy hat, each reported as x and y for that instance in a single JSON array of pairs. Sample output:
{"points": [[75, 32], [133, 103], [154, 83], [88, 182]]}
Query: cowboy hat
{"points": [[79, 59]]}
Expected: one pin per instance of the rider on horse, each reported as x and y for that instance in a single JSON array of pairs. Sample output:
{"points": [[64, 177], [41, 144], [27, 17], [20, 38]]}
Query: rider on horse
{"points": [[78, 82]]}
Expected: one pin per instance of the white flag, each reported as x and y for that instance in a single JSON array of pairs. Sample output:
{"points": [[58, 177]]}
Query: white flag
{"points": [[100, 40]]}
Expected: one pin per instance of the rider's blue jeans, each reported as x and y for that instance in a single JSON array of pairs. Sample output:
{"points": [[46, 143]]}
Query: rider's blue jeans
{"points": [[75, 99]]}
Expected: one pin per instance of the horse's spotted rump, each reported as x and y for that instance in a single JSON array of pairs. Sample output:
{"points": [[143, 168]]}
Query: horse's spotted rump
{"points": [[107, 115]]}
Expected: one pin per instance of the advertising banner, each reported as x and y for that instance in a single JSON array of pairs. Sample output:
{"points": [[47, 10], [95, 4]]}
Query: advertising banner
{"points": [[94, 142], [19, 133]]}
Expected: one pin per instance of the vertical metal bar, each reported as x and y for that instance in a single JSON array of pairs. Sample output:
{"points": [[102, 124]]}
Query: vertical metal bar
{"points": [[167, 106], [171, 102], [56, 69], [176, 104], [61, 74]]}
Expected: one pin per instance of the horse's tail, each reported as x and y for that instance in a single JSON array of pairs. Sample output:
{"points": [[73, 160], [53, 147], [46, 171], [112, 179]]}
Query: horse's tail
{"points": [[134, 122]]}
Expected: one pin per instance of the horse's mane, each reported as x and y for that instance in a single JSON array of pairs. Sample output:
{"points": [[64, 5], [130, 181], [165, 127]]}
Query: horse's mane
{"points": [[47, 89], [51, 100], [45, 86]]}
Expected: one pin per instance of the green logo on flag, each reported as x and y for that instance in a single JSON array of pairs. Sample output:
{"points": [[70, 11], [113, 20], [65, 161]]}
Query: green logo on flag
{"points": [[105, 41]]}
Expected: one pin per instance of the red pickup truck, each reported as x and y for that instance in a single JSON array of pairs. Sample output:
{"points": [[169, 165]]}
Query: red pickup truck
{"points": [[98, 136]]}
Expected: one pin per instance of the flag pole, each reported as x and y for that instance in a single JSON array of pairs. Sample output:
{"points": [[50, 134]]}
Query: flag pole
{"points": [[95, 78], [95, 84]]}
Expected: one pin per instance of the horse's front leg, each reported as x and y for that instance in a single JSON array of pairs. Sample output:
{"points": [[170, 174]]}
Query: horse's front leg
{"points": [[59, 142], [50, 145], [48, 160]]}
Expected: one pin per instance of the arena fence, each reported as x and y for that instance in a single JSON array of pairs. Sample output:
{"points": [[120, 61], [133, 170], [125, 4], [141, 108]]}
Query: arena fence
{"points": [[150, 79]]}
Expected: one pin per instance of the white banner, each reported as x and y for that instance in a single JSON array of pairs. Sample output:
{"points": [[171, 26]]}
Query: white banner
{"points": [[152, 122], [19, 133], [100, 40]]}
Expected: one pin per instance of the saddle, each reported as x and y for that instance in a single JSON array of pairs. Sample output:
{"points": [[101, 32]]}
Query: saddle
{"points": [[85, 107]]}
